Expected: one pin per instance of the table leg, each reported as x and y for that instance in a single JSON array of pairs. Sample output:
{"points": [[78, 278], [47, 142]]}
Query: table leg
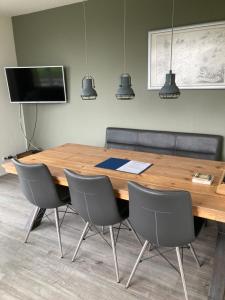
{"points": [[217, 286]]}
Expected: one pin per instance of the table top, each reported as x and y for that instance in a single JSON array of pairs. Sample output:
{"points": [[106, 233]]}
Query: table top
{"points": [[168, 172]]}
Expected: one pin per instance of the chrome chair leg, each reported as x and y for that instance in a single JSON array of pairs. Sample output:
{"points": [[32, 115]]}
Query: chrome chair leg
{"points": [[36, 210], [137, 262], [114, 253], [181, 272], [135, 233], [58, 231], [85, 231], [194, 254]]}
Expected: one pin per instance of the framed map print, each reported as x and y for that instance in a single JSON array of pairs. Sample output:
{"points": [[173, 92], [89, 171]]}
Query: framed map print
{"points": [[198, 56]]}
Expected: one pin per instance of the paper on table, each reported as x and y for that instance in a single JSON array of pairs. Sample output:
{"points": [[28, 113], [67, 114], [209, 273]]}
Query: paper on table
{"points": [[135, 167]]}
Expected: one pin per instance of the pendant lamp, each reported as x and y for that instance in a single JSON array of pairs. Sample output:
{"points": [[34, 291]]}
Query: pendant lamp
{"points": [[125, 91], [170, 89], [88, 86]]}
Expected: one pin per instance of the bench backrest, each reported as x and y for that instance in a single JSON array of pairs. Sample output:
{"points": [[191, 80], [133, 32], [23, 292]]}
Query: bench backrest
{"points": [[195, 145]]}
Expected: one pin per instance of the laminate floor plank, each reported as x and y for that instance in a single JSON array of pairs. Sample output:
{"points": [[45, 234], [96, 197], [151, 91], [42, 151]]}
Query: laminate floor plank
{"points": [[33, 271]]}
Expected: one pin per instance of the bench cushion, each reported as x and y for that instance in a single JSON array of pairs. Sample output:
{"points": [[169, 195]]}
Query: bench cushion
{"points": [[154, 139], [197, 143]]}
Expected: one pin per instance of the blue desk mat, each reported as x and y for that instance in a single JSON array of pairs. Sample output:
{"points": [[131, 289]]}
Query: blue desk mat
{"points": [[112, 163]]}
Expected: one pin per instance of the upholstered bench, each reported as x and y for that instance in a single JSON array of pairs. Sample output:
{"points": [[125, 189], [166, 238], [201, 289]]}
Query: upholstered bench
{"points": [[194, 145]]}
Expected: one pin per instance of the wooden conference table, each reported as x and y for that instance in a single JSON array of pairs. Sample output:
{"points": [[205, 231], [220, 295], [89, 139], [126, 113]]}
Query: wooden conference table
{"points": [[167, 172]]}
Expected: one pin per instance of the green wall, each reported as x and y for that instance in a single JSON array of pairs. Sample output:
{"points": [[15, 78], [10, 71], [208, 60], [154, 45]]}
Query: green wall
{"points": [[55, 37]]}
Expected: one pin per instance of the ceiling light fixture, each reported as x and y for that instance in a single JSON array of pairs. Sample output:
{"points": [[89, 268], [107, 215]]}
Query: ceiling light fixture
{"points": [[170, 89], [125, 91], [88, 85]]}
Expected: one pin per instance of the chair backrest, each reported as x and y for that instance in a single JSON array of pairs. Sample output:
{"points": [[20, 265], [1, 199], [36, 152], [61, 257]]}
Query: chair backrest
{"points": [[162, 217], [93, 198], [37, 184]]}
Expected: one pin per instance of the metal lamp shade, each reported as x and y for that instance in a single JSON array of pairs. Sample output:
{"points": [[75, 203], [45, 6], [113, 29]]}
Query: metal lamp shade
{"points": [[88, 89], [125, 91], [170, 89]]}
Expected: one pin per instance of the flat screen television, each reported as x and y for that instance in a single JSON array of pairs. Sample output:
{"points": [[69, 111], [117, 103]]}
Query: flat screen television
{"points": [[45, 84]]}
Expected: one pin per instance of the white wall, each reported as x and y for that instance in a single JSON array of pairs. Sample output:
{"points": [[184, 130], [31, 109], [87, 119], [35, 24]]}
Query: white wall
{"points": [[11, 140]]}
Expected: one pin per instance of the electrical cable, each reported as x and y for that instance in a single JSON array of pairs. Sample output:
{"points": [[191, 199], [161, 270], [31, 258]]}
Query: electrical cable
{"points": [[124, 35], [29, 140], [35, 124], [85, 34], [172, 33]]}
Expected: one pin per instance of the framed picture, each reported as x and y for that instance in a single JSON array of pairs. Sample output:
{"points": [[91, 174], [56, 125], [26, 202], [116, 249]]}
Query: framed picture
{"points": [[198, 56]]}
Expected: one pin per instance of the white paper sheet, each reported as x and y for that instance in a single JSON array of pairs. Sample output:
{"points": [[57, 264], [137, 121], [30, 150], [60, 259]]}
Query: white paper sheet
{"points": [[134, 167]]}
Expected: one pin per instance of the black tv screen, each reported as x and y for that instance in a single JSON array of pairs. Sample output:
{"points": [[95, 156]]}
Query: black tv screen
{"points": [[36, 84]]}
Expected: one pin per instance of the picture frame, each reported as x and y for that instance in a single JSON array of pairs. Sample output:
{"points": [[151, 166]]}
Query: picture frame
{"points": [[198, 56]]}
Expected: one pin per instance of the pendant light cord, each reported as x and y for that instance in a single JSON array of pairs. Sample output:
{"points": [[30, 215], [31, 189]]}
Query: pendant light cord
{"points": [[124, 37], [85, 33], [171, 44]]}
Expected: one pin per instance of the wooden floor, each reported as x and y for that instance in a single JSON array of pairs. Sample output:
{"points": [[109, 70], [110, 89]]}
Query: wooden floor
{"points": [[34, 271]]}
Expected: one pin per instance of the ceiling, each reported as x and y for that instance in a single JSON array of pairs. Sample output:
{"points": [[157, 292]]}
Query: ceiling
{"points": [[20, 7]]}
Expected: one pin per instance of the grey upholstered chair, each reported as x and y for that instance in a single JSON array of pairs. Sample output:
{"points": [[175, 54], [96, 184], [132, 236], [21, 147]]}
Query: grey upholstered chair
{"points": [[93, 198], [38, 187], [162, 218]]}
